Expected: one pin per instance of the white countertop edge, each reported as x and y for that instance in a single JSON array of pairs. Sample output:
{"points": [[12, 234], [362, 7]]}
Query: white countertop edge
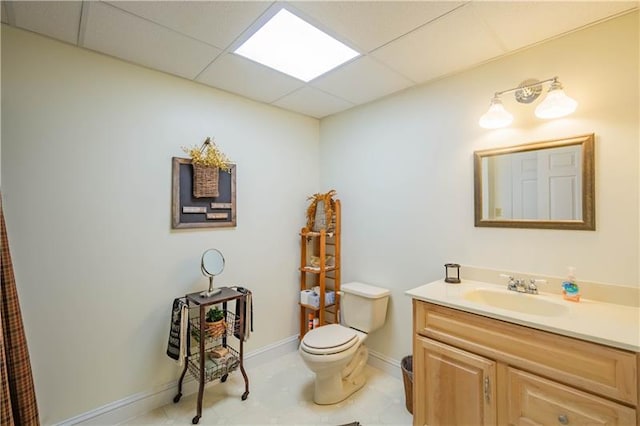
{"points": [[584, 320]]}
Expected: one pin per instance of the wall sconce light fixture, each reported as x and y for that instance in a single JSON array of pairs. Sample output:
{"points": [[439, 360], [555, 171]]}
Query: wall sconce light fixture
{"points": [[556, 104]]}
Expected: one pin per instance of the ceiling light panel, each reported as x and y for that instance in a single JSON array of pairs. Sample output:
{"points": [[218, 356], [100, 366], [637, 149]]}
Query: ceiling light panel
{"points": [[293, 46]]}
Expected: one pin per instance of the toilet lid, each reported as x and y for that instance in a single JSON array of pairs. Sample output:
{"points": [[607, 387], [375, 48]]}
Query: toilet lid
{"points": [[332, 338]]}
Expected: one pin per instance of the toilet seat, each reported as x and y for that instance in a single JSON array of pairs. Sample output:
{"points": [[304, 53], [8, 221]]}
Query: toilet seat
{"points": [[329, 339]]}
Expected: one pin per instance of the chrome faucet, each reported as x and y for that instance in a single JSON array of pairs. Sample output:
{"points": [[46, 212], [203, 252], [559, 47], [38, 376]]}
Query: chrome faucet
{"points": [[532, 288], [513, 283], [521, 286]]}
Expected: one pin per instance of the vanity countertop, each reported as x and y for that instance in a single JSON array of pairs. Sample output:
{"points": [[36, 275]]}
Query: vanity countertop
{"points": [[605, 323]]}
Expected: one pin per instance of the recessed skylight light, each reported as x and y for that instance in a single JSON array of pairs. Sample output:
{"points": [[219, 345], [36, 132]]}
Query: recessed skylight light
{"points": [[292, 46]]}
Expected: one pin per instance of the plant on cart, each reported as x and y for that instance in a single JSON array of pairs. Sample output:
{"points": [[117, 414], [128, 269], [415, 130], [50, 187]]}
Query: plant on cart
{"points": [[215, 323]]}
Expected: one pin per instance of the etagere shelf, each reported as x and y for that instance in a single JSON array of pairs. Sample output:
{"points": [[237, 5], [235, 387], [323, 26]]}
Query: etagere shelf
{"points": [[325, 275]]}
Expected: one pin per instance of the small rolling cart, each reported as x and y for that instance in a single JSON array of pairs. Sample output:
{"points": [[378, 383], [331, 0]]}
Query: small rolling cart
{"points": [[215, 357]]}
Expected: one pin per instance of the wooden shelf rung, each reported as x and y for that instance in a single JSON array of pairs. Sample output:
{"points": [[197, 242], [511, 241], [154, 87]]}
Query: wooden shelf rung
{"points": [[314, 308]]}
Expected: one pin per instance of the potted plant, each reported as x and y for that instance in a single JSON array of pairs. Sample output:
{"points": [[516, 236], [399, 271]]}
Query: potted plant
{"points": [[207, 161], [215, 323]]}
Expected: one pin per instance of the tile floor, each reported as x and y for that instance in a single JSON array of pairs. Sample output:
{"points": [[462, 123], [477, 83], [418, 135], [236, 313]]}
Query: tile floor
{"points": [[281, 394]]}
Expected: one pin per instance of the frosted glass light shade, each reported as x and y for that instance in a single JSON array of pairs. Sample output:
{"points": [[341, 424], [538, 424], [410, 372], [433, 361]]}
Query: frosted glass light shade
{"points": [[496, 116], [291, 45], [556, 104]]}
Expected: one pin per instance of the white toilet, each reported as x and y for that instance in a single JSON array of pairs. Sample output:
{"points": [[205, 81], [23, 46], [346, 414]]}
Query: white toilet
{"points": [[336, 353]]}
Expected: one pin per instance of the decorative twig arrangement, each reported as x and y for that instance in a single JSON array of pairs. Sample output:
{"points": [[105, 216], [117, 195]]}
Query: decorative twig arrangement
{"points": [[207, 160], [327, 203], [209, 154]]}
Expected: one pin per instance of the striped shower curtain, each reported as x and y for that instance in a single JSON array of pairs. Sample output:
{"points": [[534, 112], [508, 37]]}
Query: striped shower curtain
{"points": [[18, 406]]}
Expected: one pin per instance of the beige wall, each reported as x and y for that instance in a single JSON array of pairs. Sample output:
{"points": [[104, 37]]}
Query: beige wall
{"points": [[86, 168], [404, 169], [86, 148]]}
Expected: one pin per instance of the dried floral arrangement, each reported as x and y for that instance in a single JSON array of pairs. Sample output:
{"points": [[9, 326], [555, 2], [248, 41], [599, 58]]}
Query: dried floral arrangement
{"points": [[210, 155], [329, 207]]}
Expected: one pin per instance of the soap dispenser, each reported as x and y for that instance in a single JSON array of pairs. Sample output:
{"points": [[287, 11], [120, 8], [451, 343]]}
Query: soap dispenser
{"points": [[570, 290]]}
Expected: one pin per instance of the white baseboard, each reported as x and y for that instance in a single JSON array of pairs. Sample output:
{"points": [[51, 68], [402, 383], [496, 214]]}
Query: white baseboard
{"points": [[135, 405], [382, 362]]}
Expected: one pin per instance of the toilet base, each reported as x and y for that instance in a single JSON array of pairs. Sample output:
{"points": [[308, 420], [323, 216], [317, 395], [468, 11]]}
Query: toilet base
{"points": [[333, 388]]}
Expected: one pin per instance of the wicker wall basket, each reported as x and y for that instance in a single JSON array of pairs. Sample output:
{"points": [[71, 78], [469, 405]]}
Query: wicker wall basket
{"points": [[205, 181]]}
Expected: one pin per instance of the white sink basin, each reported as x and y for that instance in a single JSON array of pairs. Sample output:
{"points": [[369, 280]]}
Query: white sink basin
{"points": [[517, 302]]}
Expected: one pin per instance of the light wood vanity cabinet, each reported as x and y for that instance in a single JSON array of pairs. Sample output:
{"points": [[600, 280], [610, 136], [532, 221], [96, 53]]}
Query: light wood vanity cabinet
{"points": [[443, 369], [473, 370], [537, 401]]}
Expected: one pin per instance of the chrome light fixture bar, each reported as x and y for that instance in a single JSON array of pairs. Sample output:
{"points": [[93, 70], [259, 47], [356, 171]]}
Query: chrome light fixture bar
{"points": [[556, 104]]}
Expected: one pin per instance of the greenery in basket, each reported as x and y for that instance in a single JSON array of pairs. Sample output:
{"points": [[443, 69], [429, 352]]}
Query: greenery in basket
{"points": [[208, 155], [214, 314]]}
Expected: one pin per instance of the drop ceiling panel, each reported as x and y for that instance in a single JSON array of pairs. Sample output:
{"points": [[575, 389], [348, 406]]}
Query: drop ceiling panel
{"points": [[403, 42], [123, 35], [313, 102], [56, 19], [370, 24], [362, 80], [238, 75], [519, 24], [215, 22], [452, 43]]}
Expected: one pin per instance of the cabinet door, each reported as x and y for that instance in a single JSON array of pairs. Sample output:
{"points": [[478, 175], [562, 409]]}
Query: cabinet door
{"points": [[452, 387], [537, 401]]}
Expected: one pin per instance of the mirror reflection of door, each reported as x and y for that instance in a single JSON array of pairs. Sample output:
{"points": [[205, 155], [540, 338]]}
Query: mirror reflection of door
{"points": [[547, 185], [536, 185], [524, 184], [560, 183]]}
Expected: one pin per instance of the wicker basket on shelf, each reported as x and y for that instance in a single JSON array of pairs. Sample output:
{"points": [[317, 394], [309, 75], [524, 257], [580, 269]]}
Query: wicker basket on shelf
{"points": [[216, 329], [205, 181]]}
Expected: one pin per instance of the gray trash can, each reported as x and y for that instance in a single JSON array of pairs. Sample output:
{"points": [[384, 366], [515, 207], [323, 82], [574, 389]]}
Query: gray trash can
{"points": [[407, 378]]}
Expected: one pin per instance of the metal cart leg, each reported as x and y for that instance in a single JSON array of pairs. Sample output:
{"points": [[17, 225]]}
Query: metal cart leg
{"points": [[184, 371], [196, 419], [246, 382], [243, 318]]}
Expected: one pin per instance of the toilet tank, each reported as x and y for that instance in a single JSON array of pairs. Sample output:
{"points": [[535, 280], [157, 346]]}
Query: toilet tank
{"points": [[363, 306]]}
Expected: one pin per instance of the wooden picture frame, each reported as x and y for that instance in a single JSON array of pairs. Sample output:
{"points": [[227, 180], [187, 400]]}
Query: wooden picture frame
{"points": [[587, 202], [207, 212]]}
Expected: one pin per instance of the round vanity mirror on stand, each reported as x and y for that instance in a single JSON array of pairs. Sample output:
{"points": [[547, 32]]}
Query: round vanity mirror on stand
{"points": [[212, 264]]}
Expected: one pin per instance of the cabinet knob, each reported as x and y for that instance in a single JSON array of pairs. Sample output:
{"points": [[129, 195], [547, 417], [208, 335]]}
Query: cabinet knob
{"points": [[563, 419]]}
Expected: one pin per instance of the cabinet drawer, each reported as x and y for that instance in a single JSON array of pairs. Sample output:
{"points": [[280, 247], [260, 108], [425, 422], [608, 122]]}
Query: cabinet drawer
{"points": [[537, 401], [599, 369]]}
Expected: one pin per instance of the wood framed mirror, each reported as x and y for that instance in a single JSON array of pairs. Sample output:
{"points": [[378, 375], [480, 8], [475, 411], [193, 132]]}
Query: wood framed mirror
{"points": [[548, 184]]}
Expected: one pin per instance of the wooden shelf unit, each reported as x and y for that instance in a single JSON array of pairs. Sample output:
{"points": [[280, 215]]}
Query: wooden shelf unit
{"points": [[321, 244]]}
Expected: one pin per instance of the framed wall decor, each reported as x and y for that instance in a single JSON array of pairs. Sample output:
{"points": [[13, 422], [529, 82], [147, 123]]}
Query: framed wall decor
{"points": [[204, 212]]}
